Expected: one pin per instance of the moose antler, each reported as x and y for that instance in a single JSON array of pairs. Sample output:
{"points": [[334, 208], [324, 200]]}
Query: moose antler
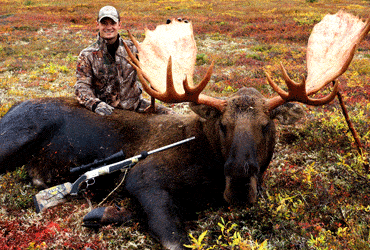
{"points": [[330, 50], [166, 61]]}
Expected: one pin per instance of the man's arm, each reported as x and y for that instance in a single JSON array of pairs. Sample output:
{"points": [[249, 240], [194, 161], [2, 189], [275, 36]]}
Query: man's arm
{"points": [[84, 89]]}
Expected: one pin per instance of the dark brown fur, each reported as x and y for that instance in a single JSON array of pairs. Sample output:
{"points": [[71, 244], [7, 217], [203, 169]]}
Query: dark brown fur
{"points": [[226, 161]]}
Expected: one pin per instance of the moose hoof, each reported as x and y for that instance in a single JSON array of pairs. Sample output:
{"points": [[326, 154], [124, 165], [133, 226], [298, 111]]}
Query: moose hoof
{"points": [[106, 216]]}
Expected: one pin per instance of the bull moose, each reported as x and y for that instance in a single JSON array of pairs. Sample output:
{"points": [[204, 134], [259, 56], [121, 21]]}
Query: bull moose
{"points": [[235, 137]]}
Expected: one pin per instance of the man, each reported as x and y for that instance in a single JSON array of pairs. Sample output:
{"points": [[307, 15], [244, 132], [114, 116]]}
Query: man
{"points": [[105, 79]]}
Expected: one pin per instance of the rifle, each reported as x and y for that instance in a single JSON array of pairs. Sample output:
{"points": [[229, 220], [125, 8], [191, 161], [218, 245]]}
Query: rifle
{"points": [[97, 163], [56, 195]]}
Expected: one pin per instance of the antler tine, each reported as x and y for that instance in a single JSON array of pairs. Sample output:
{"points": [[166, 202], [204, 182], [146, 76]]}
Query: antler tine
{"points": [[200, 87], [133, 39], [171, 95], [297, 92], [365, 30], [130, 54], [191, 93], [275, 87], [197, 97], [194, 94]]}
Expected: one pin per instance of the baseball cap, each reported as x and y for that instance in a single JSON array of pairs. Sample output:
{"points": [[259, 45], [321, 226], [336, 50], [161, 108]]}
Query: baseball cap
{"points": [[108, 11]]}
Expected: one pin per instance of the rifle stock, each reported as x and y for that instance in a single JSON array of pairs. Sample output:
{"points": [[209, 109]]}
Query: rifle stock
{"points": [[51, 197]]}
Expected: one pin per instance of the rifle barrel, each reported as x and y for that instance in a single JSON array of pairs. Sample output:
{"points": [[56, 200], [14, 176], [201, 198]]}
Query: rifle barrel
{"points": [[170, 146]]}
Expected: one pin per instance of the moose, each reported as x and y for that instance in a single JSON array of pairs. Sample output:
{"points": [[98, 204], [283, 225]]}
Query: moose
{"points": [[235, 137]]}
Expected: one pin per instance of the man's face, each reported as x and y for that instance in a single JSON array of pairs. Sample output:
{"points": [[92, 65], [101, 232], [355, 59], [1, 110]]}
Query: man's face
{"points": [[108, 29]]}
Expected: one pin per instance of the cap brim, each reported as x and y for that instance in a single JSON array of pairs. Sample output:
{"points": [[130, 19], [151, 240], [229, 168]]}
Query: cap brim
{"points": [[115, 19]]}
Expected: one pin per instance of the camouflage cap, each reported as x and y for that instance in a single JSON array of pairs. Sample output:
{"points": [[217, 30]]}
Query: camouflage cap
{"points": [[108, 11]]}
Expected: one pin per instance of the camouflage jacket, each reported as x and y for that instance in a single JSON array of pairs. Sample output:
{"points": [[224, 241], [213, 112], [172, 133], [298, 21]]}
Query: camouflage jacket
{"points": [[103, 78]]}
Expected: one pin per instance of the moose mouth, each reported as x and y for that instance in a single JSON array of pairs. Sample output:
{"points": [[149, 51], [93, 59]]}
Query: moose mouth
{"points": [[241, 192]]}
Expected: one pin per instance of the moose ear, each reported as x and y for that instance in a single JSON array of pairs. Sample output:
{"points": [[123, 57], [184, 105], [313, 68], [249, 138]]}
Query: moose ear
{"points": [[287, 113], [205, 111]]}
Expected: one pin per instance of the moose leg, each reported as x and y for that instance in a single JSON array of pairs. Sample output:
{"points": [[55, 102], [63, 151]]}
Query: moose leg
{"points": [[163, 220], [107, 215]]}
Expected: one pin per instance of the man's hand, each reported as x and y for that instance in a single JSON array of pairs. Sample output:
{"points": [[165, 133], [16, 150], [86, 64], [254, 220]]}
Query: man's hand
{"points": [[104, 109]]}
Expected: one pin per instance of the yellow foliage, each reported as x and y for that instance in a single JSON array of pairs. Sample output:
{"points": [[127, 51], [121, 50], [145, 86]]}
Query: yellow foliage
{"points": [[354, 7]]}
